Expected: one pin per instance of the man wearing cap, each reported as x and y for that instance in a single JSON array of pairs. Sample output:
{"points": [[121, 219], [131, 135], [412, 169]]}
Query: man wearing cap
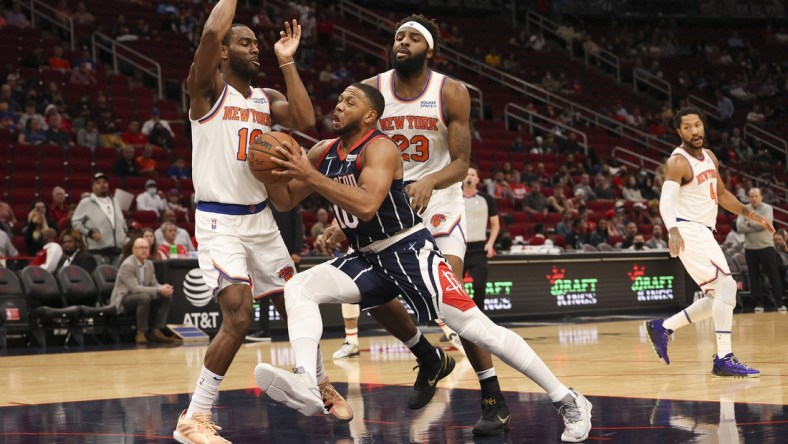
{"points": [[99, 219], [155, 117], [150, 199]]}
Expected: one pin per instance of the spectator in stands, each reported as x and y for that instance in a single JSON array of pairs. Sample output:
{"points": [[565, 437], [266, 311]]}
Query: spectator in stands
{"points": [[568, 144], [82, 118], [146, 165], [638, 244], [657, 241], [631, 191], [58, 207], [99, 219], [65, 222], [35, 59], [137, 290], [89, 135], [31, 113], [174, 201], [600, 234], [519, 190], [125, 165], [178, 170], [538, 146], [528, 175], [170, 247], [344, 75], [48, 257], [520, 40], [585, 184], [8, 120], [493, 58], [321, 225], [498, 188], [84, 57], [15, 17], [74, 253], [181, 237], [83, 75], [7, 248], [82, 17], [602, 188], [57, 61], [630, 231], [38, 219], [133, 137], [327, 74], [725, 110], [535, 202], [561, 177], [639, 214], [151, 199], [111, 138], [159, 136], [756, 115], [7, 95], [782, 256], [654, 217], [55, 133], [517, 145], [155, 117], [578, 236], [7, 217], [564, 226]]}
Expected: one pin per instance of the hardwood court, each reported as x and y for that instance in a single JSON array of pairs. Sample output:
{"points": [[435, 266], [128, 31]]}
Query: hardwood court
{"points": [[135, 395]]}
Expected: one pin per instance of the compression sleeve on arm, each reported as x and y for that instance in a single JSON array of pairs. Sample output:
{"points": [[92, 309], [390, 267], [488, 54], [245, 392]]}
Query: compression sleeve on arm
{"points": [[667, 203]]}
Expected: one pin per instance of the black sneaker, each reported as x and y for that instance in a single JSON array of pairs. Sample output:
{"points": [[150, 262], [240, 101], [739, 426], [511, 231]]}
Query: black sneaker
{"points": [[495, 420], [259, 336], [427, 379]]}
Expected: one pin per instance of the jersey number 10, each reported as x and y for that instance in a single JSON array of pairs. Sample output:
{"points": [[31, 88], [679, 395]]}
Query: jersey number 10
{"points": [[244, 139]]}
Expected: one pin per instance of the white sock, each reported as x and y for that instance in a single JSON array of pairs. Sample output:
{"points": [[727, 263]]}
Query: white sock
{"points": [[484, 374], [698, 311], [320, 371], [722, 313], [351, 335], [446, 330], [414, 340], [205, 393], [545, 378]]}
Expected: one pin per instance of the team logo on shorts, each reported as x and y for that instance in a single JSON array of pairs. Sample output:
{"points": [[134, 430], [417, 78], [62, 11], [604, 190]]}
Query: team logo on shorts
{"points": [[286, 273], [213, 224], [437, 219]]}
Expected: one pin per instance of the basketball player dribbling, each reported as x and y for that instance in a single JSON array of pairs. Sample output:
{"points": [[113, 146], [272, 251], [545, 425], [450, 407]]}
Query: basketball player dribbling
{"points": [[689, 203], [241, 254], [361, 174]]}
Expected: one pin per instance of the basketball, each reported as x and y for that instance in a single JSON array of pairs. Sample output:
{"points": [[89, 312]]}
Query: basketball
{"points": [[258, 157]]}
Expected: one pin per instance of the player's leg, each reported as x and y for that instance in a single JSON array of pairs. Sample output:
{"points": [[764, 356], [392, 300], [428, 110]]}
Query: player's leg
{"points": [[349, 348]]}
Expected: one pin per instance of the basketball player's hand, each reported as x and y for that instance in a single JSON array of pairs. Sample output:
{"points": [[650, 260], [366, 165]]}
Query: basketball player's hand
{"points": [[297, 164], [420, 193], [289, 38], [762, 221], [675, 242], [331, 239]]}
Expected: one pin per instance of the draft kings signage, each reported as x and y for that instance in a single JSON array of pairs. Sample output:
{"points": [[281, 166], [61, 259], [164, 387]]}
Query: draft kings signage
{"points": [[650, 287], [572, 286]]}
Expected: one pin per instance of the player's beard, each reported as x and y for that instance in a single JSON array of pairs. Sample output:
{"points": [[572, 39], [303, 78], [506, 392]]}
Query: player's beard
{"points": [[691, 146], [349, 128], [243, 68], [409, 66]]}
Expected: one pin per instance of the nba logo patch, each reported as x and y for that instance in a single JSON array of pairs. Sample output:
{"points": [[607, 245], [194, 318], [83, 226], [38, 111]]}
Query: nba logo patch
{"points": [[213, 224]]}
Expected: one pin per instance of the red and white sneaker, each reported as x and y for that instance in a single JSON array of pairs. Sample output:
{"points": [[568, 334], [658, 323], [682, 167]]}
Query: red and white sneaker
{"points": [[335, 404], [200, 429]]}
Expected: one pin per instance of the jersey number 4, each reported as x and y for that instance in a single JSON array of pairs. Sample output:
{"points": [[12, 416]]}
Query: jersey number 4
{"points": [[244, 139], [419, 143], [712, 192]]}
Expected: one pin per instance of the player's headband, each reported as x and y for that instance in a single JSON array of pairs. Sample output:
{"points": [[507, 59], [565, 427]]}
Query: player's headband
{"points": [[422, 30]]}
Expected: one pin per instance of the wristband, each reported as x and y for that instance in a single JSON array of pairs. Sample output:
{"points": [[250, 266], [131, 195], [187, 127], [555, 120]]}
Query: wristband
{"points": [[285, 64]]}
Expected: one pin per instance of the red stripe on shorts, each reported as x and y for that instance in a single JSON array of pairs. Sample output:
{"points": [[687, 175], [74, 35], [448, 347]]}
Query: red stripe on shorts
{"points": [[454, 293]]}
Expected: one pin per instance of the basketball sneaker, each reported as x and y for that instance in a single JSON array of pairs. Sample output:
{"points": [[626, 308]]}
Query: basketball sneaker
{"points": [[659, 337], [427, 379], [730, 367], [259, 336], [454, 338], [296, 389], [347, 350], [576, 411], [495, 420], [336, 406], [200, 429]]}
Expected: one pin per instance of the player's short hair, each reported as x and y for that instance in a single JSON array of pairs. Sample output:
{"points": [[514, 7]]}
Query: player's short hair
{"points": [[474, 166], [686, 111], [430, 24], [228, 36], [374, 96]]}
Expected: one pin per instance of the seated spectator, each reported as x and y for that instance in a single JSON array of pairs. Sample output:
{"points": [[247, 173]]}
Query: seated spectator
{"points": [[528, 175], [64, 223], [111, 138], [33, 134], [7, 248], [15, 17], [74, 252], [55, 133], [48, 257], [585, 185], [160, 137], [493, 58], [630, 191], [327, 74], [57, 61], [155, 117], [125, 165], [137, 290], [151, 199], [38, 220], [7, 217], [657, 241], [734, 239], [31, 113], [538, 147], [517, 145], [182, 236], [630, 231], [321, 225], [178, 170], [568, 144], [578, 237], [564, 226], [600, 234], [8, 120], [82, 17], [170, 248], [174, 201], [639, 214], [638, 244], [519, 190], [146, 165], [83, 75], [133, 137], [498, 188], [535, 202], [89, 135], [58, 208]]}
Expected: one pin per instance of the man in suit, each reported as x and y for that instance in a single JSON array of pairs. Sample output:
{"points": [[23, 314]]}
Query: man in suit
{"points": [[136, 288], [74, 253]]}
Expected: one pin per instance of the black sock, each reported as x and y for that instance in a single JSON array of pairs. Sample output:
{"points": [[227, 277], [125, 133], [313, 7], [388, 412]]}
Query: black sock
{"points": [[425, 352], [491, 388]]}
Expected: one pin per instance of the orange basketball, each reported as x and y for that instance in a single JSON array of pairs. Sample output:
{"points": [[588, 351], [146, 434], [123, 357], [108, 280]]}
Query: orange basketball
{"points": [[258, 156]]}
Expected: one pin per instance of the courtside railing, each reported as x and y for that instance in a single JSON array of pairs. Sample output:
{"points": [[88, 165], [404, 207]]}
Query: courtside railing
{"points": [[42, 12]]}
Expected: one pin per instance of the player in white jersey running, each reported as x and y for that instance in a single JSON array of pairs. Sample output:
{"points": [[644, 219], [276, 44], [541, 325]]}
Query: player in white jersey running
{"points": [[689, 203], [241, 254]]}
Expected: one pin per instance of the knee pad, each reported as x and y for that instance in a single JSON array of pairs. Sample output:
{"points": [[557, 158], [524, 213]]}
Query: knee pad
{"points": [[725, 290], [474, 326], [297, 289], [351, 311]]}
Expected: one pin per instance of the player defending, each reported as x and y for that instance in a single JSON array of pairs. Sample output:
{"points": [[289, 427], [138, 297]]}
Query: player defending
{"points": [[690, 196], [361, 173], [239, 244]]}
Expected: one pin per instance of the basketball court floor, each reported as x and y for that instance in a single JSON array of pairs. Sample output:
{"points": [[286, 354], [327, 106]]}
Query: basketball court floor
{"points": [[134, 395]]}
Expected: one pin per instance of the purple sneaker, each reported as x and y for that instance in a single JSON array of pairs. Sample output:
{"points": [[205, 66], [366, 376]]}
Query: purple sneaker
{"points": [[659, 337], [730, 367]]}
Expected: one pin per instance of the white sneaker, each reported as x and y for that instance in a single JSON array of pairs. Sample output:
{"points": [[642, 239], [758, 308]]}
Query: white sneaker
{"points": [[296, 390], [758, 309], [782, 309], [576, 411], [454, 338], [347, 350]]}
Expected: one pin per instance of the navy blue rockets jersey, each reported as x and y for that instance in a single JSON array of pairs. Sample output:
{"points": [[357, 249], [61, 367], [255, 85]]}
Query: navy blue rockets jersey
{"points": [[394, 214]]}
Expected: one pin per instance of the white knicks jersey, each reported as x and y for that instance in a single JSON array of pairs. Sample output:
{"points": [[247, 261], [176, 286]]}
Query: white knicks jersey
{"points": [[417, 125], [219, 143], [698, 198]]}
